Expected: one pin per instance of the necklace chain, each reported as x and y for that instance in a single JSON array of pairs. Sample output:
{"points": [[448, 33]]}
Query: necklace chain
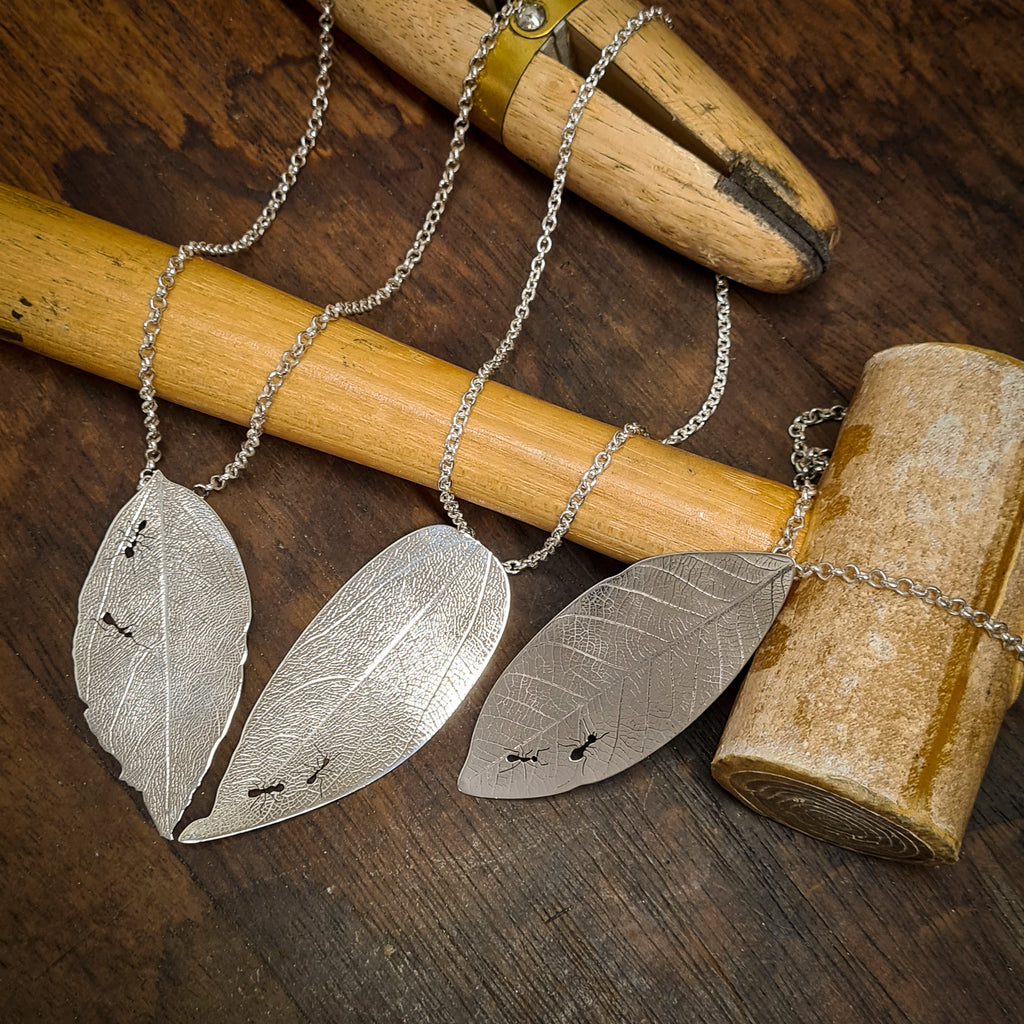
{"points": [[334, 311], [291, 357], [166, 280], [810, 463], [522, 311], [722, 346], [931, 595], [601, 462]]}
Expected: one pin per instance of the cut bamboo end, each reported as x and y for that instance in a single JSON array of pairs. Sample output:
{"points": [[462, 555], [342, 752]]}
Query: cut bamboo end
{"points": [[867, 719], [841, 813]]}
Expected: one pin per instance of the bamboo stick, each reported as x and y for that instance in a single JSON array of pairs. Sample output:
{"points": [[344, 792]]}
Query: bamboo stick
{"points": [[75, 288], [867, 719]]}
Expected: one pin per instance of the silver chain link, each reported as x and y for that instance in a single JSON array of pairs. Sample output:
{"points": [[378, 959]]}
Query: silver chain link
{"points": [[601, 462], [522, 311], [166, 280], [931, 595], [810, 463], [721, 377], [291, 357]]}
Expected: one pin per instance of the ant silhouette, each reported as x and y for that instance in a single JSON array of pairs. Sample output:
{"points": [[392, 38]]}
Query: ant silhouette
{"points": [[316, 777], [133, 540], [515, 759], [262, 793], [277, 787], [126, 631], [579, 752]]}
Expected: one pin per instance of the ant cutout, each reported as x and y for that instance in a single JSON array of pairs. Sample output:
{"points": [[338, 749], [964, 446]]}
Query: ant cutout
{"points": [[579, 752], [126, 631], [277, 787], [515, 759], [133, 540], [315, 777], [261, 793]]}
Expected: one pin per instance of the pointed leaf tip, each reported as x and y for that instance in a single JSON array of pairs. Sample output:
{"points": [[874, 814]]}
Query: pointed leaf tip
{"points": [[160, 642], [622, 670], [378, 671]]}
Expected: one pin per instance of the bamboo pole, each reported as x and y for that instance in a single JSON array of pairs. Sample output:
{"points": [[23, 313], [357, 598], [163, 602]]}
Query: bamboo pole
{"points": [[75, 288], [867, 719]]}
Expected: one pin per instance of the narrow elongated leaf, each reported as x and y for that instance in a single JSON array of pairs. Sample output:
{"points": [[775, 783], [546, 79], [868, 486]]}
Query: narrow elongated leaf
{"points": [[622, 670], [160, 642], [374, 676]]}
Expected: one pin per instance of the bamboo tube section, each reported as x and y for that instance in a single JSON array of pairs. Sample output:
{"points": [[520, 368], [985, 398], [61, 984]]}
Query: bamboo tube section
{"points": [[666, 146], [75, 288], [866, 718]]}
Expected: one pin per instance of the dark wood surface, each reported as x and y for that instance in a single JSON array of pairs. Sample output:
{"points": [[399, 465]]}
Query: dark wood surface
{"points": [[653, 896]]}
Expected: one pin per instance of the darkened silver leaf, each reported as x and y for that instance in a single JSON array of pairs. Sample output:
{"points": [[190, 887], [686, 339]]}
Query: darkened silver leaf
{"points": [[622, 670], [160, 642], [374, 676]]}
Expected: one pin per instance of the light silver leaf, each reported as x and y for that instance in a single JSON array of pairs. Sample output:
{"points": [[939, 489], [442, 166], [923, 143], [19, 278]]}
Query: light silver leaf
{"points": [[622, 670], [378, 671], [160, 642]]}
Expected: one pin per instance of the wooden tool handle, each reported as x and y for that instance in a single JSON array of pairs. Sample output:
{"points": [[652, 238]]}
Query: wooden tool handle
{"points": [[867, 718], [668, 172], [75, 288]]}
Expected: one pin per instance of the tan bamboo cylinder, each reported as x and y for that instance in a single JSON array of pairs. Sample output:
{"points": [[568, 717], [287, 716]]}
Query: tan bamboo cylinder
{"points": [[695, 168], [867, 718], [76, 288]]}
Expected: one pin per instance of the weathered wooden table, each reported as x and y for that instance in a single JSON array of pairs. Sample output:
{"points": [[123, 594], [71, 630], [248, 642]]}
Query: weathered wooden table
{"points": [[653, 896]]}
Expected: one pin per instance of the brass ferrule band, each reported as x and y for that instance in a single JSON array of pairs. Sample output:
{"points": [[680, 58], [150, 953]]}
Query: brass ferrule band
{"points": [[514, 49]]}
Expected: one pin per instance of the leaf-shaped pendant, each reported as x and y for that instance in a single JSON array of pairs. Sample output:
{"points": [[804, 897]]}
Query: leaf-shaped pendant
{"points": [[622, 670], [378, 671], [160, 642]]}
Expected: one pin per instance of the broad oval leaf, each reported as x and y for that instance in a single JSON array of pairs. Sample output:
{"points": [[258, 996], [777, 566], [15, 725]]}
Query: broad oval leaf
{"points": [[378, 671], [622, 670], [160, 642]]}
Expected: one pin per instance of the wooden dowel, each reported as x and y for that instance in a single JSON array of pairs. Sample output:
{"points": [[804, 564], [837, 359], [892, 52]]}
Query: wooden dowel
{"points": [[75, 288]]}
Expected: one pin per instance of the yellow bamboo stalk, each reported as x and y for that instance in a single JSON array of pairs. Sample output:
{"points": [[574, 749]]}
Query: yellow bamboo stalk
{"points": [[75, 288]]}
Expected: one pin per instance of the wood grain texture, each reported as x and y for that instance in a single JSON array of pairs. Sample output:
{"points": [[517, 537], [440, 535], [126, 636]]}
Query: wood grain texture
{"points": [[653, 896], [927, 482], [358, 394], [661, 172]]}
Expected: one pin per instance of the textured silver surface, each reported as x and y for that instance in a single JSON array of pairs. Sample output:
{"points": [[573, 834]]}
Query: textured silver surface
{"points": [[160, 642], [374, 676], [622, 670]]}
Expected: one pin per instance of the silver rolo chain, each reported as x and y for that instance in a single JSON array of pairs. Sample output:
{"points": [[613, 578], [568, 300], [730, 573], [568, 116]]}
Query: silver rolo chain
{"points": [[166, 280], [810, 463], [721, 377], [522, 311], [291, 357]]}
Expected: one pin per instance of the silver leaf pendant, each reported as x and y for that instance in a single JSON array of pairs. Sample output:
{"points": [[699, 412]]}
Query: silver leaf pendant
{"points": [[622, 670], [160, 642], [378, 671]]}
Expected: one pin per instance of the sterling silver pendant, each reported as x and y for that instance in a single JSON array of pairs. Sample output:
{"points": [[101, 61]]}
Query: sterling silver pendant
{"points": [[622, 670], [160, 642], [378, 671]]}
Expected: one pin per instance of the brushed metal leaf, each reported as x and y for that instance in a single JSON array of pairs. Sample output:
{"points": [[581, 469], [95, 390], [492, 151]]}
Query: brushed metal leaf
{"points": [[622, 670], [378, 671], [160, 642]]}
